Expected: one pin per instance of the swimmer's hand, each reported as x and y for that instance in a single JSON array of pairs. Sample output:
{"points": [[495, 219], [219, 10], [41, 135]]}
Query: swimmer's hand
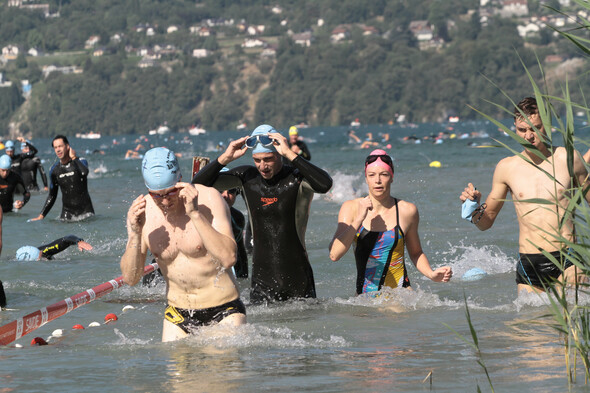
{"points": [[235, 150], [39, 217], [471, 193], [280, 143], [362, 209], [82, 245], [18, 204], [72, 153], [136, 215], [442, 274], [189, 195]]}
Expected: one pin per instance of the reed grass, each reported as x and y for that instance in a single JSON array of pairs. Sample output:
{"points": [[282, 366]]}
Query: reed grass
{"points": [[567, 314]]}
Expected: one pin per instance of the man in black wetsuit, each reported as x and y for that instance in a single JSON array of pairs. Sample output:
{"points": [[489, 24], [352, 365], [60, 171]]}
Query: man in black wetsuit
{"points": [[238, 222], [70, 174], [278, 198], [30, 163], [47, 251], [9, 181]]}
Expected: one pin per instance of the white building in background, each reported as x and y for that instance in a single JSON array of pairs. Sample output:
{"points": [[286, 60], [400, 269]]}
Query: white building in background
{"points": [[512, 8], [200, 53]]}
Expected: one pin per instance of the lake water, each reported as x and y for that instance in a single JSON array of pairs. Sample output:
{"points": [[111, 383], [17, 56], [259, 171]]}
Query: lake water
{"points": [[336, 343]]}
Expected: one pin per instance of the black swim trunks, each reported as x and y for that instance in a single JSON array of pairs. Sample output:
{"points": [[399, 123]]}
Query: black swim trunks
{"points": [[538, 270], [191, 320]]}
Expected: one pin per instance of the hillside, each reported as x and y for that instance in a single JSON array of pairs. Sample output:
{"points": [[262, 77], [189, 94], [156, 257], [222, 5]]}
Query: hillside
{"points": [[129, 66]]}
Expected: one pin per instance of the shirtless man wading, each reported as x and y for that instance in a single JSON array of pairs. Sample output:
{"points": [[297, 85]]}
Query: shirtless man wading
{"points": [[188, 229]]}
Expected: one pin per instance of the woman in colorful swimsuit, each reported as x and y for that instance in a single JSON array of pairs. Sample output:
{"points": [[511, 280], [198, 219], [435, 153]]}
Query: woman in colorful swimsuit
{"points": [[380, 226]]}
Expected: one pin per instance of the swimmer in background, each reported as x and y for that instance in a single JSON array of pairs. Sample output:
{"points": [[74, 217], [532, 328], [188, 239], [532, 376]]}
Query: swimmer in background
{"points": [[9, 182], [70, 174], [297, 145], [368, 142], [352, 137], [380, 226], [238, 222], [47, 251], [29, 166]]}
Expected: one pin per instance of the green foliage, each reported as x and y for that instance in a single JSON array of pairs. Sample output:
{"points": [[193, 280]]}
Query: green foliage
{"points": [[373, 78]]}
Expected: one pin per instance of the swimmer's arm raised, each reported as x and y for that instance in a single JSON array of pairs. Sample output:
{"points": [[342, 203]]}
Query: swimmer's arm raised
{"points": [[318, 179], [133, 260], [213, 225], [351, 216]]}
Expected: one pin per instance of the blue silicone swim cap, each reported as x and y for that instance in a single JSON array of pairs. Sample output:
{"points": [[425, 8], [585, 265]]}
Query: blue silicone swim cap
{"points": [[27, 253], [9, 145], [263, 130], [5, 162], [160, 169]]}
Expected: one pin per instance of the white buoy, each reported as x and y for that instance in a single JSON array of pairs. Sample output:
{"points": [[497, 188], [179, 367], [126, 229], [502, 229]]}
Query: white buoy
{"points": [[94, 324], [57, 333], [128, 307]]}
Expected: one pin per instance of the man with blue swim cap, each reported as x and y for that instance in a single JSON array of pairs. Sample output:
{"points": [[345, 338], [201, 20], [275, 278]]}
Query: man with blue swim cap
{"points": [[188, 230], [278, 196], [47, 251]]}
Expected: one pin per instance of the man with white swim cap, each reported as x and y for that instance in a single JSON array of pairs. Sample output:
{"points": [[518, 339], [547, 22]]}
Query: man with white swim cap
{"points": [[188, 230], [9, 181], [70, 174], [278, 197]]}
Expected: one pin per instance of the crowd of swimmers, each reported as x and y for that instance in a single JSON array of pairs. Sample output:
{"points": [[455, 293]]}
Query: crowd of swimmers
{"points": [[191, 229]]}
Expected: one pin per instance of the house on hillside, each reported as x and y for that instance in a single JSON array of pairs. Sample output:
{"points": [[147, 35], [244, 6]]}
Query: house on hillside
{"points": [[512, 8], [255, 30], [268, 52], [10, 52], [369, 30], [92, 41], [304, 39], [340, 33], [201, 31], [421, 30], [253, 43], [171, 29], [34, 52], [145, 63], [201, 53], [528, 29], [48, 69], [98, 52]]}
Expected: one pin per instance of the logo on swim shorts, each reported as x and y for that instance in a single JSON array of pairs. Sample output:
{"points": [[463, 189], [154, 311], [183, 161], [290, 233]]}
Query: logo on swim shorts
{"points": [[268, 201]]}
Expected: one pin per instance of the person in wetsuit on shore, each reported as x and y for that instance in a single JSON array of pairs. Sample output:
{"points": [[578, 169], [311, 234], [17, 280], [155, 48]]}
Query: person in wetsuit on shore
{"points": [[9, 182], [30, 163], [47, 251], [278, 198], [70, 174], [380, 226]]}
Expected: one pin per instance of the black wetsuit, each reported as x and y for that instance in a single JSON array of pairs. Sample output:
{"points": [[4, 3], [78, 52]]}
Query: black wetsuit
{"points": [[238, 222], [29, 166], [304, 150], [72, 178], [7, 188], [58, 245], [278, 210]]}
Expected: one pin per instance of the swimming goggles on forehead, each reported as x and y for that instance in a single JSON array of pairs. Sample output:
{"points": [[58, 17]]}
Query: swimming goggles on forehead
{"points": [[264, 140], [384, 157]]}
